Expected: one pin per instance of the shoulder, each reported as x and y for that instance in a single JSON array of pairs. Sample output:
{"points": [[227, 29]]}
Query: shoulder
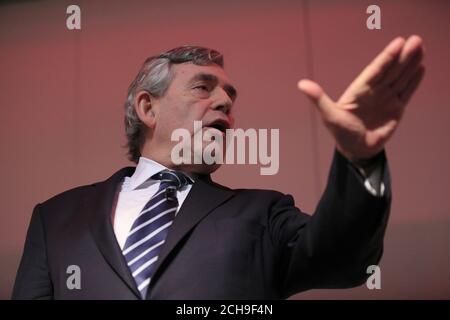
{"points": [[73, 199], [257, 195], [68, 196]]}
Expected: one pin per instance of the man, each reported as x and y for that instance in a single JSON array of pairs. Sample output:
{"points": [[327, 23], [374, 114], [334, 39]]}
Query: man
{"points": [[165, 231]]}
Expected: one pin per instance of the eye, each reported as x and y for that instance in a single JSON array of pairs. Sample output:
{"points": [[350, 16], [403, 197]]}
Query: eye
{"points": [[202, 87]]}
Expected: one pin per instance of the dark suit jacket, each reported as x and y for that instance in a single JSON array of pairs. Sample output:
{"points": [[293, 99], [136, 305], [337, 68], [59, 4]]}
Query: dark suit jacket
{"points": [[223, 244]]}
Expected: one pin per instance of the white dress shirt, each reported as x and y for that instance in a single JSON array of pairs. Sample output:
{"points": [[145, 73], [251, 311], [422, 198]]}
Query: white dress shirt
{"points": [[134, 194]]}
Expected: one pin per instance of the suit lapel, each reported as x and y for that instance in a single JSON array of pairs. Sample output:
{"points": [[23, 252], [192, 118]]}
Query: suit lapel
{"points": [[204, 197], [100, 207]]}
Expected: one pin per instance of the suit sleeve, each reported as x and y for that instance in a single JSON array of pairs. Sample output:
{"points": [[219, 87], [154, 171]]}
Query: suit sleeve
{"points": [[33, 277], [333, 247]]}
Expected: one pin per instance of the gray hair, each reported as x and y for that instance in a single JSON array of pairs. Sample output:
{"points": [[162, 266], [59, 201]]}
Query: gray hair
{"points": [[155, 77]]}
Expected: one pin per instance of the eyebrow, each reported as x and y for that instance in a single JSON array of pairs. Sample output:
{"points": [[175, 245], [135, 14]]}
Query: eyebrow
{"points": [[207, 77]]}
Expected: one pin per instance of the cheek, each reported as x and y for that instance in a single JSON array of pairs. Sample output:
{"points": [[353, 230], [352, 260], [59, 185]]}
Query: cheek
{"points": [[180, 110], [181, 115], [191, 110]]}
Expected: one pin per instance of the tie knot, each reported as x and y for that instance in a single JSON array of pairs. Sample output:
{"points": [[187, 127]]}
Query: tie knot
{"points": [[172, 178]]}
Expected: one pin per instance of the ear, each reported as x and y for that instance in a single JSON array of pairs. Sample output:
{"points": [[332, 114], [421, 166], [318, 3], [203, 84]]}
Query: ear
{"points": [[144, 108]]}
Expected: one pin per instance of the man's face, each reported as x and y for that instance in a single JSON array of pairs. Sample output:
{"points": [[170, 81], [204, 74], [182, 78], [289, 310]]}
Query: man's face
{"points": [[196, 93]]}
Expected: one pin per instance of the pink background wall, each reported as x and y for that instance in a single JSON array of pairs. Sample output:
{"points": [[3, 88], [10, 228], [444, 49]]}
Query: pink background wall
{"points": [[62, 93]]}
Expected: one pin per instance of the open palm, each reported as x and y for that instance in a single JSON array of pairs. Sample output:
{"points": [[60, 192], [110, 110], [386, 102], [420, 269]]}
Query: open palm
{"points": [[368, 112]]}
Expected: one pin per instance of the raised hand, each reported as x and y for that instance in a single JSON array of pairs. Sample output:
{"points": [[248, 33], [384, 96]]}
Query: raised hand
{"points": [[370, 109]]}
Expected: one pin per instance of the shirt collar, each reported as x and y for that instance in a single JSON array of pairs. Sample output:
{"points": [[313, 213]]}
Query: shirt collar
{"points": [[145, 169]]}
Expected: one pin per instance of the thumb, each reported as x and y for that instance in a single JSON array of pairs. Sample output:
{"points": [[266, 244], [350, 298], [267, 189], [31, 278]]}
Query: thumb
{"points": [[316, 94]]}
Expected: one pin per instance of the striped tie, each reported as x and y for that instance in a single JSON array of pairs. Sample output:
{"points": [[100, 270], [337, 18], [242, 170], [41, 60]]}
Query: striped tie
{"points": [[150, 229]]}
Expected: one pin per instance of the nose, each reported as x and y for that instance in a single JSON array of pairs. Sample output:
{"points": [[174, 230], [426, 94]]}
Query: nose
{"points": [[222, 101]]}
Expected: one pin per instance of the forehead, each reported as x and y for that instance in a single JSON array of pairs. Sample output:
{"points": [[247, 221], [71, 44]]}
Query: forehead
{"points": [[185, 72]]}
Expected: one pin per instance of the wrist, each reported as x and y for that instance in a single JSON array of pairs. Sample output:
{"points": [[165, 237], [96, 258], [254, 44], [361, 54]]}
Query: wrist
{"points": [[366, 164]]}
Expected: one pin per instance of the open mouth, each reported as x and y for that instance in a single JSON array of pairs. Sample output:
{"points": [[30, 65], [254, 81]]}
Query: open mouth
{"points": [[220, 125]]}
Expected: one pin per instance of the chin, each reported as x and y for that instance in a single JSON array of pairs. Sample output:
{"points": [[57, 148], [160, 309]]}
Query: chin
{"points": [[204, 168]]}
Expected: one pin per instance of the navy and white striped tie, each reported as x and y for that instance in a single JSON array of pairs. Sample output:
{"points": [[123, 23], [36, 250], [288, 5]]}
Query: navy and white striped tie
{"points": [[150, 229]]}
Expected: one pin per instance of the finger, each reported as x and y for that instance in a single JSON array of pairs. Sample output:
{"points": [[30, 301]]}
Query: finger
{"points": [[387, 129], [402, 81], [316, 94], [381, 63], [411, 47], [412, 84]]}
